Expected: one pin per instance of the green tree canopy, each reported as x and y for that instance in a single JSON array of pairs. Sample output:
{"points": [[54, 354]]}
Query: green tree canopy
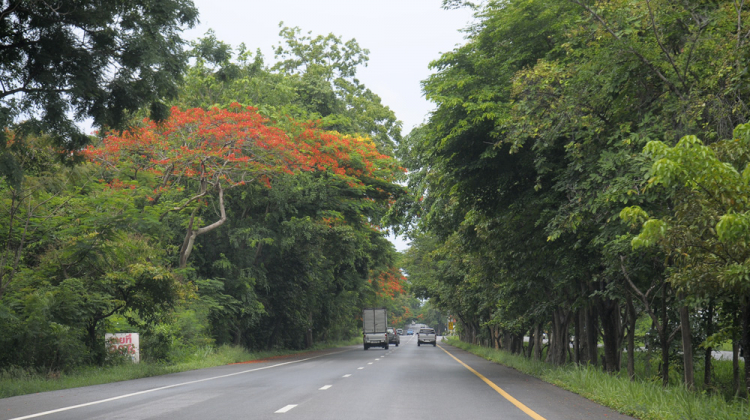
{"points": [[314, 79], [62, 62]]}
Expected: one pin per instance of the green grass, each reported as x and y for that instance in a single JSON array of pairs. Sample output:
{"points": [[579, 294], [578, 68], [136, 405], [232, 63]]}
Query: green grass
{"points": [[17, 381], [646, 400]]}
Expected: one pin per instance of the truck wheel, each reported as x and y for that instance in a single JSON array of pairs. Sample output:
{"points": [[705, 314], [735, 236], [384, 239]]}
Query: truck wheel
{"points": [[434, 344], [386, 346], [367, 347], [418, 343], [396, 344]]}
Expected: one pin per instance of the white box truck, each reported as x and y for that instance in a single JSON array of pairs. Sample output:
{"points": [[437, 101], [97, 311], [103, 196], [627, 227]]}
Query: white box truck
{"points": [[374, 324]]}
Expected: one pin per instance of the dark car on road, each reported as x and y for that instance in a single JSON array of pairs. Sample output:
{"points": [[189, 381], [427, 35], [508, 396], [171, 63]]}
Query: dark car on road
{"points": [[393, 338]]}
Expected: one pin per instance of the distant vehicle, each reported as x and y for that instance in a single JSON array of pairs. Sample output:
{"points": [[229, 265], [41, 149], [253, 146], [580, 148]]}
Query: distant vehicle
{"points": [[400, 331], [410, 332], [426, 336], [374, 324], [393, 338]]}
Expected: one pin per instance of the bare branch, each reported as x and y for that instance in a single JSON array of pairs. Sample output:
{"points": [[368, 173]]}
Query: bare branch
{"points": [[187, 245], [219, 222], [674, 333], [644, 297]]}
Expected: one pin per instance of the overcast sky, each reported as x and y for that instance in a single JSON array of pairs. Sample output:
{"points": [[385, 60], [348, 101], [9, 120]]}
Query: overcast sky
{"points": [[403, 36]]}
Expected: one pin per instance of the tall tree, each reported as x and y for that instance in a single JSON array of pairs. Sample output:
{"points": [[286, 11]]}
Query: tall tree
{"points": [[62, 62], [224, 148], [544, 111], [314, 79], [705, 236]]}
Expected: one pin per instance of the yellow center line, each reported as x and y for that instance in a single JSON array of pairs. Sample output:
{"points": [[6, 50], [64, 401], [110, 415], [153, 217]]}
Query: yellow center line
{"points": [[499, 390]]}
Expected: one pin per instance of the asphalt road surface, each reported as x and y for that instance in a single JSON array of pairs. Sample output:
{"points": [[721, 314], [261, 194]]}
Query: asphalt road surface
{"points": [[409, 382]]}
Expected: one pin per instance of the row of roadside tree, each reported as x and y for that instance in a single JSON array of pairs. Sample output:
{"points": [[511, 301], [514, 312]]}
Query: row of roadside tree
{"points": [[585, 174], [222, 201]]}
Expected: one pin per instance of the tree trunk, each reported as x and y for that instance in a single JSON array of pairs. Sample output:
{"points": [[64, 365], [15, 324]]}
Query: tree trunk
{"points": [[610, 316], [631, 338], [91, 330], [709, 350], [592, 336], [558, 340], [622, 321], [736, 367], [648, 342], [538, 342], [96, 347], [687, 346], [746, 344], [518, 343], [235, 331], [662, 328], [507, 342], [550, 340], [577, 338], [664, 339], [532, 337], [308, 333], [583, 357]]}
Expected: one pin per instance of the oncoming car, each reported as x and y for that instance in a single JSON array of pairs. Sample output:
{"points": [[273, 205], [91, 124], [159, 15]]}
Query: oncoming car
{"points": [[410, 332]]}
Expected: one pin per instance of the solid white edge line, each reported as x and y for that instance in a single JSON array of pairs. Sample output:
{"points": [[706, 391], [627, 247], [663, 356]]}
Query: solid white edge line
{"points": [[324, 387], [72, 407], [285, 409]]}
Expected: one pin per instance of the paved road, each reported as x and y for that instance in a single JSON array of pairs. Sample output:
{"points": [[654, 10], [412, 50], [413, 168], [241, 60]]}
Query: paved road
{"points": [[409, 382]]}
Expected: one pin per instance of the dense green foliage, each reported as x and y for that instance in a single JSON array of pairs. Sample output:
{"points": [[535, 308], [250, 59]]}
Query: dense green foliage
{"points": [[583, 181], [62, 62], [552, 121], [215, 224], [313, 79]]}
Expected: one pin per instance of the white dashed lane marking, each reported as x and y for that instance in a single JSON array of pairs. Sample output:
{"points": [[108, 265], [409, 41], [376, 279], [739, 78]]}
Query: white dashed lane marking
{"points": [[347, 375], [285, 409], [73, 407], [323, 388]]}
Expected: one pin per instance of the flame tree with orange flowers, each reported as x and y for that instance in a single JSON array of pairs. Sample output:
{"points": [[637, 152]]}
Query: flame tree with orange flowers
{"points": [[196, 155]]}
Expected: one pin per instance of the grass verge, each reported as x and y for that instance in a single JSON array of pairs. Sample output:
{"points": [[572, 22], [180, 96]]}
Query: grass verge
{"points": [[21, 381], [641, 399]]}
